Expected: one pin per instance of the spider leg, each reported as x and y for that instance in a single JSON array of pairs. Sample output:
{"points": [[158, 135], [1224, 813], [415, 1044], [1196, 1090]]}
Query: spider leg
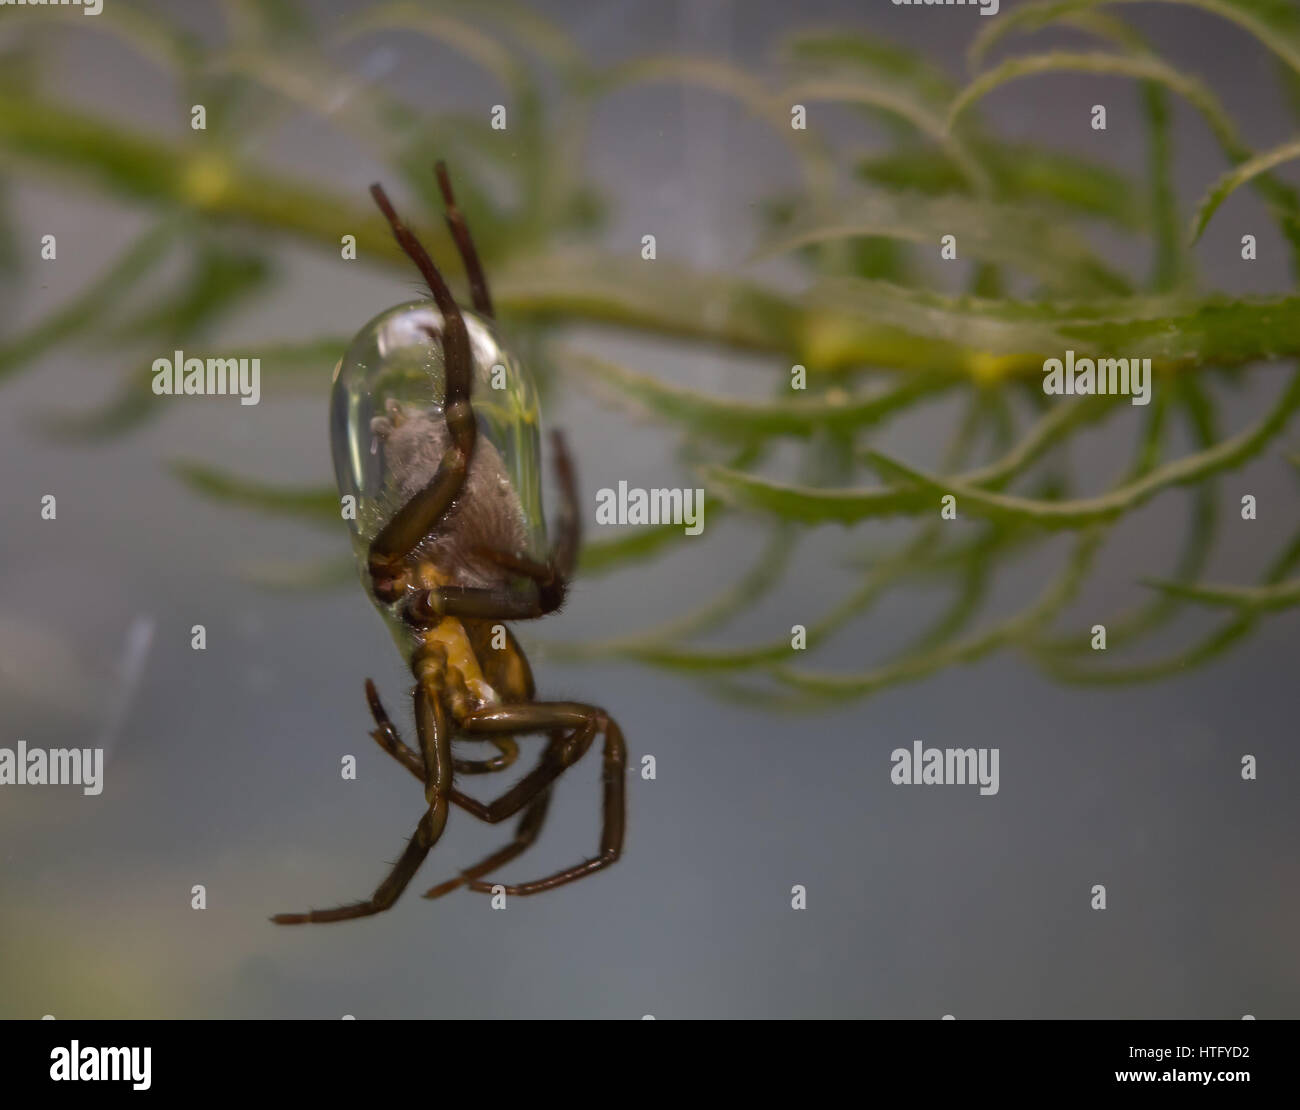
{"points": [[572, 729], [435, 744], [564, 554], [614, 810], [554, 759], [465, 244], [411, 523], [504, 744], [583, 721], [531, 793], [526, 832], [571, 733], [387, 892], [388, 738], [563, 750], [426, 608]]}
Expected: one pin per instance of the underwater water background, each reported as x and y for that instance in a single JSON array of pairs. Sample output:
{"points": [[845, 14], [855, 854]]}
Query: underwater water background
{"points": [[222, 766]]}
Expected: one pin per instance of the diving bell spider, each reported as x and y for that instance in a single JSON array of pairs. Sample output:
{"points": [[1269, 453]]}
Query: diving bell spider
{"points": [[448, 565]]}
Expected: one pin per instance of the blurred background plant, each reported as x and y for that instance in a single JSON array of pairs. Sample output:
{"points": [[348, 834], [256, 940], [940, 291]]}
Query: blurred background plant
{"points": [[859, 298]]}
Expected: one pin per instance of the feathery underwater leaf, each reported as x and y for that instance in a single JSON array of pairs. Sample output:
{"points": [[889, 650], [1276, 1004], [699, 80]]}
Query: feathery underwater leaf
{"points": [[316, 505], [726, 417], [1281, 595], [1225, 455], [1275, 23], [1234, 179], [1029, 241], [88, 308], [1019, 173]]}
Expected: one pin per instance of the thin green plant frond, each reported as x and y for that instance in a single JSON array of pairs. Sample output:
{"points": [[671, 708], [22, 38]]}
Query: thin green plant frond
{"points": [[851, 322], [746, 592], [1031, 242], [727, 80], [734, 418], [271, 21], [1240, 175], [507, 68], [946, 562], [897, 64], [526, 29], [86, 149], [967, 432], [132, 406], [89, 308], [218, 283], [636, 545], [219, 279], [1275, 23], [602, 556], [973, 575], [971, 649], [712, 615], [1225, 455], [314, 505], [662, 646], [932, 654], [682, 303], [286, 368], [173, 51], [299, 575], [297, 368], [1020, 173], [668, 299], [308, 84], [462, 36], [846, 88], [1281, 595], [1149, 68], [1104, 26], [663, 651], [848, 506], [1290, 80], [1171, 263], [1172, 267], [1146, 67], [1049, 433], [1209, 647], [807, 504], [1127, 627]]}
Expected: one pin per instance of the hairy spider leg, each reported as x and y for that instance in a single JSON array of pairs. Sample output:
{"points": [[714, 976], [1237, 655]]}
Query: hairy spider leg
{"points": [[388, 738], [478, 285], [572, 726], [585, 721], [388, 552], [435, 742], [526, 832], [420, 515]]}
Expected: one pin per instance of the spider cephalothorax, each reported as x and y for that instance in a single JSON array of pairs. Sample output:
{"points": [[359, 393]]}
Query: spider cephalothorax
{"points": [[449, 536]]}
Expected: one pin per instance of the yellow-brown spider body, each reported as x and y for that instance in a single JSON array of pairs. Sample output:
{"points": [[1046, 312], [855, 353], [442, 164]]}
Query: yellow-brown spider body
{"points": [[449, 641]]}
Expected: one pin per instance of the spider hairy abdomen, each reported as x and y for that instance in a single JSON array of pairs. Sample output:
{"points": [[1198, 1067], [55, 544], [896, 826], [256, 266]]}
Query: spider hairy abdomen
{"points": [[486, 516]]}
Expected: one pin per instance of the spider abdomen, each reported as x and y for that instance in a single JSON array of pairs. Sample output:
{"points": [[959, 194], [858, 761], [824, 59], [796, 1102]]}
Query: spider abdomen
{"points": [[389, 433]]}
